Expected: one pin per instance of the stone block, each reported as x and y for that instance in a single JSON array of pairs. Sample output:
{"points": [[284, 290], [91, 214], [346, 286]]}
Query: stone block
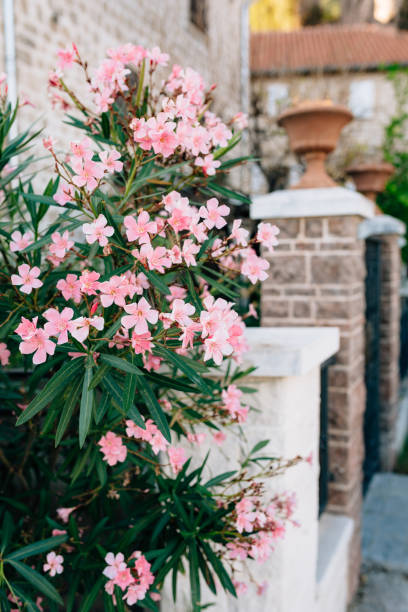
{"points": [[287, 269], [337, 269]]}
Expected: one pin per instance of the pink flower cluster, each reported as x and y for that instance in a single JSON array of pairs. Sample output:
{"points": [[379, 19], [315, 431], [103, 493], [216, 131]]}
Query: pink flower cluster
{"points": [[232, 404], [134, 577], [113, 449], [151, 435], [86, 172]]}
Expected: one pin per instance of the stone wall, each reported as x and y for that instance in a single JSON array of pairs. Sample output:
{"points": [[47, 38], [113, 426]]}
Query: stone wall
{"points": [[317, 277], [370, 97], [43, 27]]}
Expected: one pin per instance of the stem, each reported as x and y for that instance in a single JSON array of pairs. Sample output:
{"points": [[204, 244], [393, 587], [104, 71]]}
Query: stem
{"points": [[140, 84]]}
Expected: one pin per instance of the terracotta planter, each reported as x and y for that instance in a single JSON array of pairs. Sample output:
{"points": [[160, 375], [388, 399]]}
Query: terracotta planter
{"points": [[371, 179], [313, 131]]}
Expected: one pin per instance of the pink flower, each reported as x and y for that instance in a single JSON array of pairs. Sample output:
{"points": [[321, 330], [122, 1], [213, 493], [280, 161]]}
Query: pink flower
{"points": [[66, 58], [196, 438], [219, 438], [115, 564], [217, 346], [151, 435], [82, 149], [26, 328], [89, 282], [240, 120], [240, 587], [59, 323], [176, 292], [208, 164], [70, 288], [157, 259], [87, 173], [54, 564], [261, 588], [60, 244], [139, 229], [4, 354], [157, 57], [96, 231], [181, 311], [189, 251], [213, 214], [20, 241], [81, 326], [164, 140], [65, 193], [177, 456], [113, 449], [113, 291], [110, 161], [139, 314], [141, 343], [63, 513], [39, 344], [254, 267], [27, 278], [267, 235], [239, 234]]}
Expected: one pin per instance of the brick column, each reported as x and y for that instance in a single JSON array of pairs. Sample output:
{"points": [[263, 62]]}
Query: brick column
{"points": [[388, 230], [317, 278]]}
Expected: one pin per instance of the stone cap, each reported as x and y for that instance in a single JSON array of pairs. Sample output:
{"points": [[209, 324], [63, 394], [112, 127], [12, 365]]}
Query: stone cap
{"points": [[379, 226], [289, 351], [319, 202]]}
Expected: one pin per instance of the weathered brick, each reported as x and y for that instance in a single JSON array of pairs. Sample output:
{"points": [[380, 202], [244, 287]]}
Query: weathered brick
{"points": [[337, 269]]}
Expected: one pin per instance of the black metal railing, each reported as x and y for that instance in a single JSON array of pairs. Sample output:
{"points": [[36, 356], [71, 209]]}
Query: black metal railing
{"points": [[324, 476], [371, 463], [403, 359]]}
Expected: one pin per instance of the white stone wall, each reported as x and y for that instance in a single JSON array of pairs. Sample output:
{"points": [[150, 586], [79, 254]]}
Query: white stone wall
{"points": [[288, 403]]}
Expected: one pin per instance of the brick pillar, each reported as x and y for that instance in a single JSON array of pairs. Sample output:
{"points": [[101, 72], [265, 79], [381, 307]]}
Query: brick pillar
{"points": [[388, 230], [317, 278]]}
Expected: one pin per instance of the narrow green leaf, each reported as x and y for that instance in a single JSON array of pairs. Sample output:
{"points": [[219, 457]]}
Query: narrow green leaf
{"points": [[194, 577], [54, 387], [92, 594], [38, 581], [121, 364], [259, 446], [99, 374], [157, 281], [155, 409], [67, 412], [37, 547], [184, 366], [220, 478], [85, 410]]}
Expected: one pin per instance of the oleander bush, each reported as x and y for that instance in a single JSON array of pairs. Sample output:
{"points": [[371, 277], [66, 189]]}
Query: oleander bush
{"points": [[121, 347]]}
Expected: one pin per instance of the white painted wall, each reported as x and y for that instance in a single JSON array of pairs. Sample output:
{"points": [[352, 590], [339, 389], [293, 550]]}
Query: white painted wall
{"points": [[288, 400]]}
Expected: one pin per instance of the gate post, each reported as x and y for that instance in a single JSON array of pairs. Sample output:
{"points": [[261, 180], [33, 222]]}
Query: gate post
{"points": [[316, 277], [387, 230]]}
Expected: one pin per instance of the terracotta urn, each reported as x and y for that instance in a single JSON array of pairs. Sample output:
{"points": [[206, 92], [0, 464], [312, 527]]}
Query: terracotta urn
{"points": [[371, 179], [314, 129]]}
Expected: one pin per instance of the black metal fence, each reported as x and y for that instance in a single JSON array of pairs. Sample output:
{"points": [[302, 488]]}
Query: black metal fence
{"points": [[403, 360], [372, 361], [324, 476]]}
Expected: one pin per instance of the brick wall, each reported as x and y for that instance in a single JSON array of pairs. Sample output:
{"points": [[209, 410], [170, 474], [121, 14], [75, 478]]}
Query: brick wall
{"points": [[317, 278]]}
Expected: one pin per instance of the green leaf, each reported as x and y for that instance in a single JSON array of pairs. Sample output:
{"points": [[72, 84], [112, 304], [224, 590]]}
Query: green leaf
{"points": [[67, 413], [6, 531], [99, 375], [53, 388], [183, 365], [194, 577], [155, 409], [92, 594], [259, 446], [37, 547], [38, 581], [121, 364], [220, 478], [85, 410], [218, 568], [157, 281]]}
